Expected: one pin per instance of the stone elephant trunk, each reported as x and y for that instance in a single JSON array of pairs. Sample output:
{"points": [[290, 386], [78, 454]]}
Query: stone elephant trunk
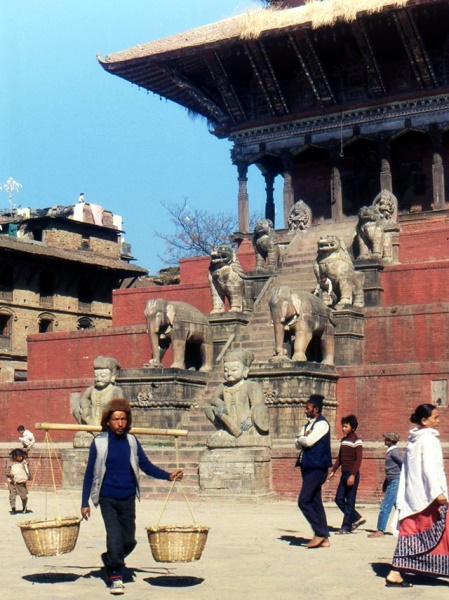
{"points": [[305, 316]]}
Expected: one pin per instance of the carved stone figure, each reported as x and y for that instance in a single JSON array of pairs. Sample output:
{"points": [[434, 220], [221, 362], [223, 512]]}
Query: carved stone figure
{"points": [[265, 245], [238, 409], [226, 279], [305, 316], [335, 262], [97, 397], [370, 235], [300, 217], [386, 204], [185, 328]]}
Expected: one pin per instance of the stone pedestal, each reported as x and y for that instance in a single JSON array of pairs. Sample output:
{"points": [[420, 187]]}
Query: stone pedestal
{"points": [[255, 284], [235, 472], [287, 387], [349, 335], [224, 328], [372, 288], [160, 397]]}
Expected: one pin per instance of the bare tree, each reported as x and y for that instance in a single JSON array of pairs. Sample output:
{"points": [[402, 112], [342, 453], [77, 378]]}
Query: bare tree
{"points": [[195, 233]]}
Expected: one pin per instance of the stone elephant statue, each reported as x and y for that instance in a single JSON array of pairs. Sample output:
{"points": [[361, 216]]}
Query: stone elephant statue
{"points": [[306, 316], [185, 328]]}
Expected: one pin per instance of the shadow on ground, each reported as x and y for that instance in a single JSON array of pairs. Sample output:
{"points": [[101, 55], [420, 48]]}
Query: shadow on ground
{"points": [[175, 581]]}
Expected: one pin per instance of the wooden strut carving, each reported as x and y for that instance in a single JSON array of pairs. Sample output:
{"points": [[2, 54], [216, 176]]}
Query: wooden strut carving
{"points": [[97, 428]]}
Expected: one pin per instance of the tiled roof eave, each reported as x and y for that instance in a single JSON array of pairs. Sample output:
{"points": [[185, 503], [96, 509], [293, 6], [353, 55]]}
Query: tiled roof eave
{"points": [[10, 244]]}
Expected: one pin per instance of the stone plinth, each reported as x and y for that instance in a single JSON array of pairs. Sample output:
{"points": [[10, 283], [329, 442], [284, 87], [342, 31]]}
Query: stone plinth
{"points": [[255, 282], [235, 472], [349, 335], [372, 288], [287, 387], [160, 397], [224, 328]]}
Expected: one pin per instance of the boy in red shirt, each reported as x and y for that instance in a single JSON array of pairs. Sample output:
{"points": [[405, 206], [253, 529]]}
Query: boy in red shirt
{"points": [[349, 459]]}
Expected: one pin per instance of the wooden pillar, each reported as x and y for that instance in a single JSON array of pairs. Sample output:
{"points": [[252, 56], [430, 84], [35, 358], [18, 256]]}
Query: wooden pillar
{"points": [[335, 184], [269, 204], [288, 194], [243, 199], [386, 182], [437, 169]]}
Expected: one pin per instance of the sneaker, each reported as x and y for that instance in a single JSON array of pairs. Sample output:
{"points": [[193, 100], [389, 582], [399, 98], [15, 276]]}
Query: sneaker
{"points": [[13, 511], [117, 587]]}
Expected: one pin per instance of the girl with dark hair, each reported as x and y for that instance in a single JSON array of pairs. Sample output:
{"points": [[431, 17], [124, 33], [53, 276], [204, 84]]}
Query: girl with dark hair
{"points": [[423, 544]]}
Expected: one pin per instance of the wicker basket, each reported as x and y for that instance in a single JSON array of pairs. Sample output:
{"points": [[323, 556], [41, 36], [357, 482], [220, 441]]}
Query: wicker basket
{"points": [[50, 537], [173, 543]]}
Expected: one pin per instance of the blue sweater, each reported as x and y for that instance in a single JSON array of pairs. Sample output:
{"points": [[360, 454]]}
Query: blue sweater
{"points": [[119, 481]]}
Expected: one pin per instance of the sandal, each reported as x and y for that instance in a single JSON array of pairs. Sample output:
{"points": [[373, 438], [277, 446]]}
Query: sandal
{"points": [[342, 532], [398, 584]]}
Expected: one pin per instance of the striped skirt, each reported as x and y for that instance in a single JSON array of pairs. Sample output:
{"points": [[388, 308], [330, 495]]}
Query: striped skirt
{"points": [[423, 544]]}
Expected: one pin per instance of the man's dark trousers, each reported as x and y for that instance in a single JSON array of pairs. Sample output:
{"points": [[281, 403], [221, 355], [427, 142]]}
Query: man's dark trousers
{"points": [[119, 518], [310, 502]]}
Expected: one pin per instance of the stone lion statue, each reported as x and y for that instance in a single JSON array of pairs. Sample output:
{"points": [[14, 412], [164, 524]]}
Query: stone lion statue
{"points": [[265, 246], [335, 262], [226, 279], [370, 234], [300, 217]]}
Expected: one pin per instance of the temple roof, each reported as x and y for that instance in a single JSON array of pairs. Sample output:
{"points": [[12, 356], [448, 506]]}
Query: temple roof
{"points": [[283, 63]]}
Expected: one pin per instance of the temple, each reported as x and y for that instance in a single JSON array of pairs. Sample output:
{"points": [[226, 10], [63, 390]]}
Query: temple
{"points": [[346, 104], [341, 100]]}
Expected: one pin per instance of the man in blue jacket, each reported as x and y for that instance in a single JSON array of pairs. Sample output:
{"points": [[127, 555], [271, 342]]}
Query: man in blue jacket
{"points": [[315, 458], [111, 480]]}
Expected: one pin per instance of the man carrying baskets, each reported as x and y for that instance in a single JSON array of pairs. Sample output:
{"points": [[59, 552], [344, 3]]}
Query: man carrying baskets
{"points": [[111, 480]]}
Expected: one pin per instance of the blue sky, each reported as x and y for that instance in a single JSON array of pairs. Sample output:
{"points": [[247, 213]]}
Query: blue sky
{"points": [[67, 126]]}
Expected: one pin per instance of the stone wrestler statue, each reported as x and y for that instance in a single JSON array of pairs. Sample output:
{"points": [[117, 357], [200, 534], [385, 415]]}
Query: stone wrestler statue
{"points": [[238, 407], [97, 397]]}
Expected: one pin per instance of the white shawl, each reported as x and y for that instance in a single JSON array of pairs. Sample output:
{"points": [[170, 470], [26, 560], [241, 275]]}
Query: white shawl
{"points": [[422, 475]]}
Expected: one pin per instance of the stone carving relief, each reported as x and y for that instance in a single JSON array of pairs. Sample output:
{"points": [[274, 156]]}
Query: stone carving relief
{"points": [[96, 398], [238, 409], [185, 328], [305, 316], [335, 262], [266, 246], [300, 217], [226, 279]]}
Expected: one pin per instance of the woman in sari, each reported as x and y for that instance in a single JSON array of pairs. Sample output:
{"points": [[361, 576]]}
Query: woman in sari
{"points": [[423, 544]]}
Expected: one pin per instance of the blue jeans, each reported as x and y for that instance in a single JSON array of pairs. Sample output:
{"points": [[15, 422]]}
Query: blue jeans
{"points": [[345, 500], [387, 504]]}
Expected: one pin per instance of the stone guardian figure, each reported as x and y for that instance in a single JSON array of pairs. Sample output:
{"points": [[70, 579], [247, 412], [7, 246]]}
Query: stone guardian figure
{"points": [[96, 398], [238, 409]]}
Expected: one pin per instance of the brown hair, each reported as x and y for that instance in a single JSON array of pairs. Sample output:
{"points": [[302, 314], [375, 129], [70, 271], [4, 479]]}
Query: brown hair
{"points": [[120, 404]]}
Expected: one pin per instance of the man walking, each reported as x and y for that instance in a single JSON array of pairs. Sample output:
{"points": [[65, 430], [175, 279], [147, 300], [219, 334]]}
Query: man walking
{"points": [[315, 458], [111, 480]]}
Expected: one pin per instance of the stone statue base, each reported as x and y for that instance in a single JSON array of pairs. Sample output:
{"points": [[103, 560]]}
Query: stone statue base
{"points": [[223, 439], [236, 472]]}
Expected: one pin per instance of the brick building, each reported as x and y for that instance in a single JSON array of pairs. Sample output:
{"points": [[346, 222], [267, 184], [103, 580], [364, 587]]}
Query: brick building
{"points": [[58, 269]]}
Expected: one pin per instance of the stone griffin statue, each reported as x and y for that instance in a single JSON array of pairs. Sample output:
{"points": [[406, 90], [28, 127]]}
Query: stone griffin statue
{"points": [[335, 262], [96, 398], [238, 408], [226, 279], [370, 239], [300, 217], [386, 204], [265, 246]]}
